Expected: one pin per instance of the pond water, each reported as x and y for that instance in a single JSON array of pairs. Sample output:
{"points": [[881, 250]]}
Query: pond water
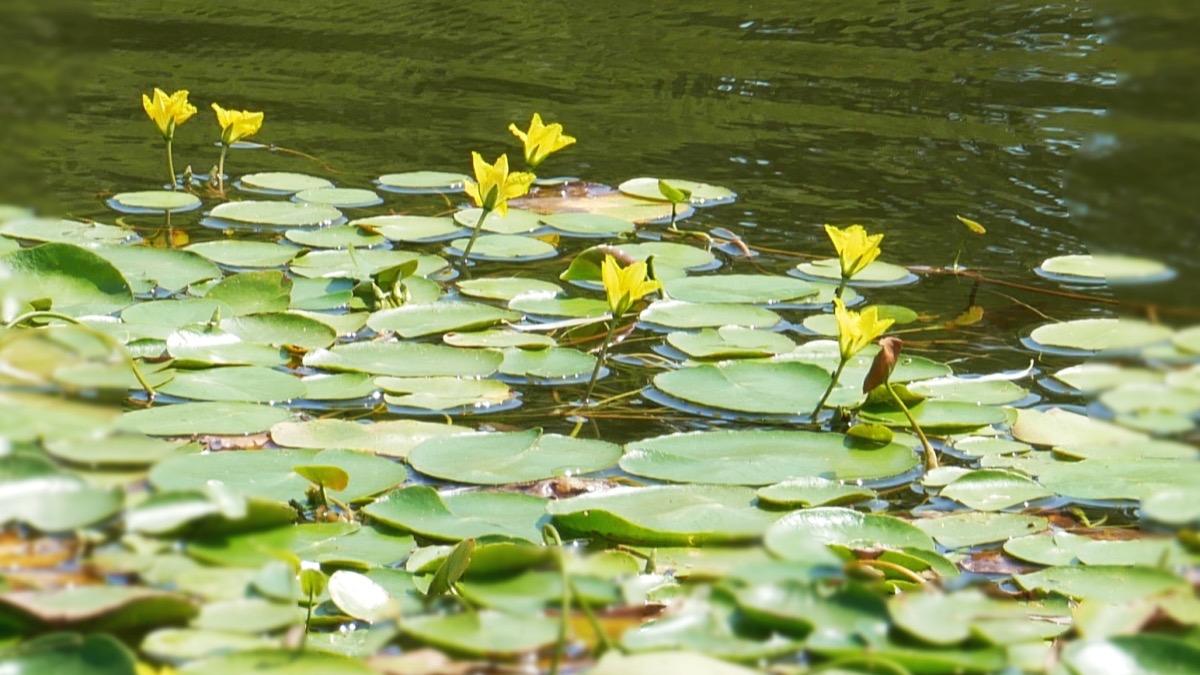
{"points": [[1058, 126]]}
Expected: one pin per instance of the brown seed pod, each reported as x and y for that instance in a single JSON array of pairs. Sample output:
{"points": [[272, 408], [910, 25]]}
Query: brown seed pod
{"points": [[885, 361]]}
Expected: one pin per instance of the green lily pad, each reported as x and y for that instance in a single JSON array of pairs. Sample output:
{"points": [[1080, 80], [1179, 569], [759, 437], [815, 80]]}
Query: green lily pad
{"points": [[249, 384], [277, 662], [421, 182], [395, 438], [337, 544], [966, 390], [340, 236], [247, 615], [702, 194], [187, 644], [959, 530], [405, 359], [116, 608], [1118, 478], [991, 490], [792, 536], [445, 394], [680, 256], [34, 492], [516, 457], [504, 247], [463, 515], [114, 449], [952, 618], [516, 221], [411, 228], [537, 304], [1132, 655], [506, 288], [252, 292], [1064, 548], [656, 663], [187, 419], [664, 515], [1091, 378], [70, 654], [200, 346], [735, 288], [280, 329], [411, 321], [936, 416], [66, 232], [812, 491], [730, 342], [555, 365], [588, 224], [752, 387], [499, 339], [762, 457], [1112, 269], [1058, 427], [1131, 398], [345, 198], [144, 268], [484, 633], [1173, 506], [339, 386], [282, 182], [679, 314], [712, 625], [276, 214], [75, 280], [878, 273], [361, 264], [154, 201], [1095, 335], [1111, 583]]}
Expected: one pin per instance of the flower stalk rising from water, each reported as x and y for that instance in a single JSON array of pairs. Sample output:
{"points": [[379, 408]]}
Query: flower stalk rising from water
{"points": [[235, 125], [168, 112], [491, 190], [674, 195], [855, 249], [881, 370], [856, 330], [623, 287], [540, 140]]}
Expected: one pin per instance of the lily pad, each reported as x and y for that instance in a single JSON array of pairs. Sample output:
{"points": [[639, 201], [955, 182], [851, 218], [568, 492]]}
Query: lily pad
{"points": [[188, 419], [1099, 269], [276, 214], [1091, 378], [405, 359], [792, 536], [588, 224], [499, 339], [812, 491], [762, 457], [877, 274], [937, 416], [537, 304], [1106, 582], [280, 329], [145, 268], [959, 530], [505, 247], [277, 662], [345, 198], [34, 492], [445, 394], [422, 182], [418, 320], [464, 515], [484, 633], [730, 342], [516, 221], [281, 182], [555, 365], [361, 264], [991, 490], [340, 236], [970, 390], [506, 288], [679, 314], [411, 228], [1095, 335], [249, 384], [516, 457], [154, 201], [395, 438], [702, 194], [680, 256], [75, 280], [66, 231], [735, 288], [752, 387]]}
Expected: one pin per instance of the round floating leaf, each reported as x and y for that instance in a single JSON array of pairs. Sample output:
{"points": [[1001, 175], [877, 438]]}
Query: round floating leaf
{"points": [[34, 492], [484, 633], [1058, 427], [499, 339], [588, 224], [656, 663], [360, 597], [186, 644], [445, 393], [282, 182], [702, 194], [517, 457], [748, 288], [1174, 506], [506, 288], [1090, 378], [116, 449], [1110, 583], [605, 201], [971, 529], [154, 201], [10, 212], [411, 228], [1188, 339], [556, 365], [991, 490], [876, 274], [70, 654], [198, 346], [277, 662], [537, 304], [1132, 398], [680, 256], [710, 623], [346, 198], [937, 416], [420, 182], [188, 419], [405, 359], [74, 279], [276, 214], [411, 321], [1093, 335], [771, 388], [341, 236], [168, 269], [1132, 655], [516, 221], [812, 491], [679, 314], [280, 329], [664, 515], [395, 438], [339, 387], [249, 384], [1118, 478], [982, 446], [464, 515], [247, 615], [791, 537], [762, 457], [951, 618], [356, 264], [505, 247], [66, 231], [967, 390], [1113, 269], [730, 342]]}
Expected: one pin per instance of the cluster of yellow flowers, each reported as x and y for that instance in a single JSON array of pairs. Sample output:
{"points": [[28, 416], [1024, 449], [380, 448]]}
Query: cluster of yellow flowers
{"points": [[168, 112]]}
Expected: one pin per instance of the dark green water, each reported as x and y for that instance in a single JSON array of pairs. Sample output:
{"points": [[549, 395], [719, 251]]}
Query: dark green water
{"points": [[1056, 124]]}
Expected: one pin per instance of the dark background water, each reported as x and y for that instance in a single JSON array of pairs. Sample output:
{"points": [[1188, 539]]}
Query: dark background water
{"points": [[1058, 125]]}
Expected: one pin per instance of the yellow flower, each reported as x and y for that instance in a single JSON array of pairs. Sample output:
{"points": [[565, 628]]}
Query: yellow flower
{"points": [[540, 140], [625, 286], [854, 247], [237, 124], [855, 330], [494, 185], [168, 112]]}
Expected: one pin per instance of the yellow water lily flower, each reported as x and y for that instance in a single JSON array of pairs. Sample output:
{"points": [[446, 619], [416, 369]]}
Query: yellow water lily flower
{"points": [[237, 124], [857, 330], [494, 185], [625, 286], [855, 248], [168, 112], [541, 140]]}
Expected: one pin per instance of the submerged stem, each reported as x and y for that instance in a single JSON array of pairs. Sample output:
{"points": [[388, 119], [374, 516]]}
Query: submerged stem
{"points": [[931, 460], [612, 327], [833, 383], [462, 260]]}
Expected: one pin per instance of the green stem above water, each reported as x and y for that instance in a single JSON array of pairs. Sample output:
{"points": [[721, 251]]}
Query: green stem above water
{"points": [[221, 169], [171, 165], [612, 327], [474, 235], [931, 460], [833, 383]]}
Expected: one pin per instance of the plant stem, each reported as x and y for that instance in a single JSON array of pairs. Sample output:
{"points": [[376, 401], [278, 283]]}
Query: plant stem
{"points": [[170, 164], [474, 235], [550, 536], [673, 207], [307, 620], [221, 170], [931, 460], [612, 327], [841, 287], [833, 383]]}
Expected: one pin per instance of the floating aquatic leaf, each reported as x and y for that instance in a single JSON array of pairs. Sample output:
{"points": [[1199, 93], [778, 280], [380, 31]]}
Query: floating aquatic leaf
{"points": [[505, 247], [445, 393], [752, 387], [967, 390], [877, 274], [276, 214], [250, 384], [277, 662], [34, 492], [144, 268], [395, 438], [679, 314], [66, 232], [411, 228], [1112, 269], [280, 329], [792, 536], [253, 292], [517, 457], [991, 490], [748, 288], [516, 221], [959, 530], [419, 320], [344, 198], [281, 182], [187, 419], [588, 224], [423, 181], [75, 280], [1106, 582], [730, 342], [506, 288], [555, 365], [813, 491], [364, 264], [541, 305], [1091, 378], [484, 633], [499, 339], [1095, 335], [702, 194], [340, 236], [936, 416], [154, 201], [464, 515], [405, 359]]}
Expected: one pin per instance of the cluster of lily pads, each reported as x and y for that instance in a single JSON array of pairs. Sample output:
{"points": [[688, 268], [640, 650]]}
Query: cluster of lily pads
{"points": [[347, 431]]}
